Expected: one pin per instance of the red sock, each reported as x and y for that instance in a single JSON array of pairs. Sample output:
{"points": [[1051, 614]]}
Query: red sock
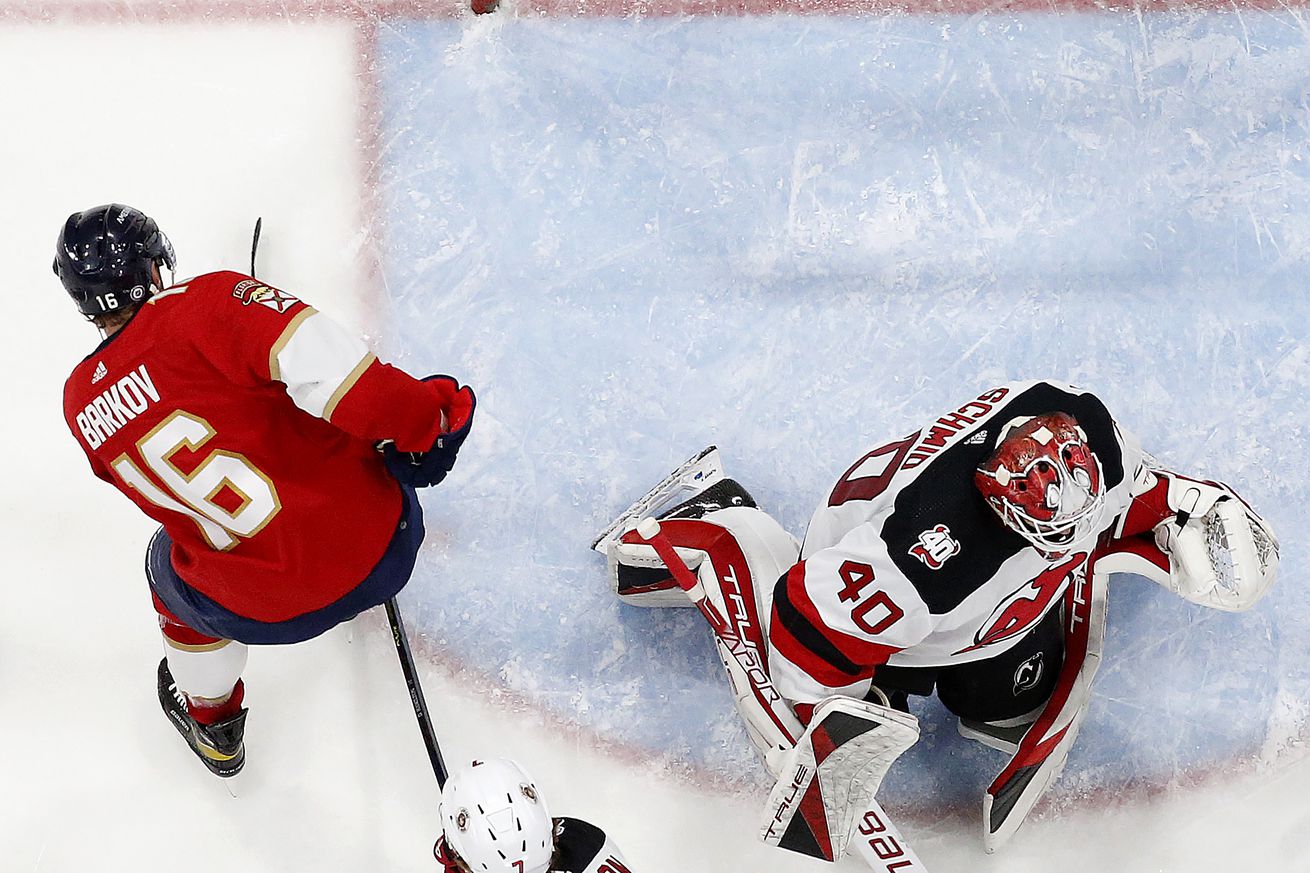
{"points": [[211, 711]]}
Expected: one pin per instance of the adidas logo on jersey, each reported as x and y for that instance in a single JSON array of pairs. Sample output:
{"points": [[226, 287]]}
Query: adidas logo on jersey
{"points": [[977, 439], [100, 373]]}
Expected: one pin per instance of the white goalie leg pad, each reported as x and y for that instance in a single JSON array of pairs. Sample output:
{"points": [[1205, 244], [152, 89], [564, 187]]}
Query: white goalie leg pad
{"points": [[737, 554], [1226, 558], [744, 597], [208, 671], [1041, 753], [833, 775]]}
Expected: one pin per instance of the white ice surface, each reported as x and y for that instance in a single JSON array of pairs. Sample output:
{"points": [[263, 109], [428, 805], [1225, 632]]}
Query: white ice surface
{"points": [[237, 121]]}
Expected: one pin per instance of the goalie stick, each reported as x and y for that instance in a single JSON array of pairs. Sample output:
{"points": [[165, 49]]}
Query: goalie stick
{"points": [[877, 841]]}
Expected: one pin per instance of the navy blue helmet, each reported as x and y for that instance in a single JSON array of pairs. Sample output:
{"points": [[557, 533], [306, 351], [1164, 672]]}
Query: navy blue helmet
{"points": [[105, 257]]}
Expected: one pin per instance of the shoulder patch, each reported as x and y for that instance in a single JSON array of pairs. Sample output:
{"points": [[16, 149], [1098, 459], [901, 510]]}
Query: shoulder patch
{"points": [[935, 547], [252, 291]]}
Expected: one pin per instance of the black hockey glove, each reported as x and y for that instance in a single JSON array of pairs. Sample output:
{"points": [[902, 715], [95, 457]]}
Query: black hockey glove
{"points": [[424, 469]]}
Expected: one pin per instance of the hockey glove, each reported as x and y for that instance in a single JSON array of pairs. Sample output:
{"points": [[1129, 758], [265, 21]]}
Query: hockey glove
{"points": [[1222, 553], [424, 469]]}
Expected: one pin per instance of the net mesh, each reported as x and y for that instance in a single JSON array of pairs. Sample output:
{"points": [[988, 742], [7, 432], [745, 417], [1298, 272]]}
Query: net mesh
{"points": [[1220, 550]]}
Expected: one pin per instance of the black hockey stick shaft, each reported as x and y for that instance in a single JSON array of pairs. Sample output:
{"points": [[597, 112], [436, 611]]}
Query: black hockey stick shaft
{"points": [[254, 242], [415, 691]]}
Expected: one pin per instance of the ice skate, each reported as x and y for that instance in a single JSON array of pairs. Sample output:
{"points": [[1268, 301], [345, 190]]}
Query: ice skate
{"points": [[695, 475], [219, 746]]}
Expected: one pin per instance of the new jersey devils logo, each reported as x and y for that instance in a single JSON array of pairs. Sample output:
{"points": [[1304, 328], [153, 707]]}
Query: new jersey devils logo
{"points": [[936, 547], [1022, 609]]}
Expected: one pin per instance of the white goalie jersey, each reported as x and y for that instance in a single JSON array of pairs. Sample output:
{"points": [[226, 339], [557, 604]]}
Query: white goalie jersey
{"points": [[905, 564]]}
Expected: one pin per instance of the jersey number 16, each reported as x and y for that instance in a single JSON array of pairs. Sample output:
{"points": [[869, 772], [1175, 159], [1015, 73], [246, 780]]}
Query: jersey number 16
{"points": [[251, 500]]}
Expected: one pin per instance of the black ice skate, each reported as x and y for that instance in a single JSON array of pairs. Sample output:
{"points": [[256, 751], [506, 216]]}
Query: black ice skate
{"points": [[695, 475], [653, 585], [721, 495], [218, 745]]}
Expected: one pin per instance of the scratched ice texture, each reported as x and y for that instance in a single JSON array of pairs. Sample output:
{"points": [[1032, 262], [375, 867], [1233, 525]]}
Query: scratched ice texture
{"points": [[797, 236]]}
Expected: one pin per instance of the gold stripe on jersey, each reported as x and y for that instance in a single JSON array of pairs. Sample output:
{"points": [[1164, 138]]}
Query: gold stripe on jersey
{"points": [[347, 384], [274, 368], [201, 647]]}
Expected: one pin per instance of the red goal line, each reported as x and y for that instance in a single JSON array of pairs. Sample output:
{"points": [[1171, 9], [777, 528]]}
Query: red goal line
{"points": [[199, 11]]}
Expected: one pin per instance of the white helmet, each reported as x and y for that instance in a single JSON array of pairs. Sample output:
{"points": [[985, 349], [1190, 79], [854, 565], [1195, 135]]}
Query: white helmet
{"points": [[495, 819]]}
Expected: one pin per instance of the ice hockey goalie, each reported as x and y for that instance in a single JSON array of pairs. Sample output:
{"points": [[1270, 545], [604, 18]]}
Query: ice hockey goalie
{"points": [[967, 559]]}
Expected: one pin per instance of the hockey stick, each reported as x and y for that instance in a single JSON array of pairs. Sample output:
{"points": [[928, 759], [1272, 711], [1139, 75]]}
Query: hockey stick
{"points": [[649, 530], [747, 656], [877, 841], [254, 243], [415, 691]]}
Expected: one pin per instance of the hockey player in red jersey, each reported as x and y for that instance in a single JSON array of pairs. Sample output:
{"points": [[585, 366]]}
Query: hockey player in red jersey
{"points": [[494, 820], [968, 559], [247, 424]]}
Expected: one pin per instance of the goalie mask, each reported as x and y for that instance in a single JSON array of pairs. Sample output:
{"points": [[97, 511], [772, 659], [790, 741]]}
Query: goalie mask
{"points": [[495, 820], [1044, 482]]}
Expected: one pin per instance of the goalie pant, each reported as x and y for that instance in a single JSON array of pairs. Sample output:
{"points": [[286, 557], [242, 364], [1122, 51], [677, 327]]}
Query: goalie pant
{"points": [[906, 573], [580, 847]]}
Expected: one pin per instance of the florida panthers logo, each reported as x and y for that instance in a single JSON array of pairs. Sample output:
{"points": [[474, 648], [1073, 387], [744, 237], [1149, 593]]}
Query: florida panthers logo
{"points": [[249, 291], [935, 547], [1022, 609]]}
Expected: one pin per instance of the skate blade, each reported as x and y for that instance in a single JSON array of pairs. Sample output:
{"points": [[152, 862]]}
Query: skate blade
{"points": [[695, 474], [233, 784]]}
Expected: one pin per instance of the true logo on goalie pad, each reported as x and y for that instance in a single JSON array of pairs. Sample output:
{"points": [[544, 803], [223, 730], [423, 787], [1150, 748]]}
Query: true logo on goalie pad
{"points": [[823, 796], [935, 547]]}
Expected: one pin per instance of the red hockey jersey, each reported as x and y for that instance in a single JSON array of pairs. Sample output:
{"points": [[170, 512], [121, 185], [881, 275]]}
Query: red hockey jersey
{"points": [[244, 421]]}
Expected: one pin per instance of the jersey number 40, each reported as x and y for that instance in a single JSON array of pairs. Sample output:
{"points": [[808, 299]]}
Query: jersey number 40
{"points": [[857, 576]]}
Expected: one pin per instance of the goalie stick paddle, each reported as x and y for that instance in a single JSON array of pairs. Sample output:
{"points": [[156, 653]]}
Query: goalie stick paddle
{"points": [[878, 842], [415, 691]]}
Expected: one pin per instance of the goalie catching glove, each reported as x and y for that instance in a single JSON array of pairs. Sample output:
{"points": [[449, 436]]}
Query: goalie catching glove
{"points": [[1222, 553], [424, 469]]}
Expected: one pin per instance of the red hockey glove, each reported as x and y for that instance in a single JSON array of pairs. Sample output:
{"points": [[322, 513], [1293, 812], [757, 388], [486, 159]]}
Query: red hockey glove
{"points": [[424, 469]]}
